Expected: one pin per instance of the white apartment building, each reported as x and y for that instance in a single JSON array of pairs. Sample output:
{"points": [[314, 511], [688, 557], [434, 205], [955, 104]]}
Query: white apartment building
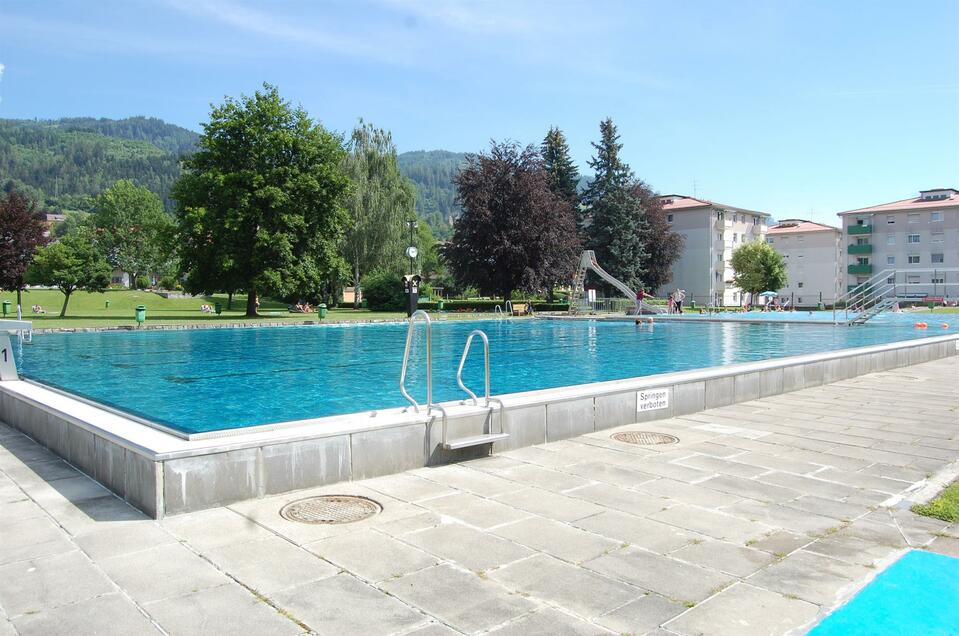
{"points": [[712, 231], [920, 233], [812, 254]]}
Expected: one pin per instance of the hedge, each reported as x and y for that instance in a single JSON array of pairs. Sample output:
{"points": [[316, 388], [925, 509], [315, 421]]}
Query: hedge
{"points": [[488, 305]]}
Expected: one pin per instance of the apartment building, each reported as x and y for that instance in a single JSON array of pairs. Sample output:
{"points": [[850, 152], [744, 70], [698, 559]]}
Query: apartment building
{"points": [[712, 231], [916, 237], [812, 254]]}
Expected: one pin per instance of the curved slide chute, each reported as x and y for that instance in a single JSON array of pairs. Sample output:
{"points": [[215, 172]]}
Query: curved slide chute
{"points": [[587, 261]]}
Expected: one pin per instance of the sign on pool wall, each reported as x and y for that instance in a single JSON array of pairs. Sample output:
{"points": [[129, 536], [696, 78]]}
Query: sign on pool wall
{"points": [[652, 400]]}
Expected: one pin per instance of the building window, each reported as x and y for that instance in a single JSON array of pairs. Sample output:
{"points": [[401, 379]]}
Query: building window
{"points": [[912, 279], [861, 221], [769, 240], [938, 280], [890, 260], [936, 237], [799, 285], [913, 218], [891, 220], [935, 217], [669, 218], [890, 239], [937, 258], [913, 259], [755, 220], [891, 280], [734, 237], [913, 238], [801, 239], [719, 236], [862, 260]]}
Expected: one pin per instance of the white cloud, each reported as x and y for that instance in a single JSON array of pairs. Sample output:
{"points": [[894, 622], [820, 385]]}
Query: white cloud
{"points": [[2, 68]]}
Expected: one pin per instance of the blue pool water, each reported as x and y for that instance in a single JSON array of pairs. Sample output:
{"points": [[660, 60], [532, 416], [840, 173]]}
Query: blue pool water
{"points": [[213, 379], [917, 595]]}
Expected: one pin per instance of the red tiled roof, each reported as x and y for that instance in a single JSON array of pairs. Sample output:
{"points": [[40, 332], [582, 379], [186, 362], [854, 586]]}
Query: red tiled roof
{"points": [[682, 202], [915, 203], [799, 225]]}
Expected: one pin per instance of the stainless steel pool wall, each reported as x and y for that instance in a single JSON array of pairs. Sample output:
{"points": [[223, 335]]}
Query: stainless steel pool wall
{"points": [[163, 474]]}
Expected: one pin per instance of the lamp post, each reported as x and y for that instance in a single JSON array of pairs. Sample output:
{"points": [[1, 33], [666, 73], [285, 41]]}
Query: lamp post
{"points": [[412, 280]]}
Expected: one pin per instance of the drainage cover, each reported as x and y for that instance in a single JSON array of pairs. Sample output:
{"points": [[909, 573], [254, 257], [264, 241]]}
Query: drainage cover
{"points": [[644, 438], [330, 509]]}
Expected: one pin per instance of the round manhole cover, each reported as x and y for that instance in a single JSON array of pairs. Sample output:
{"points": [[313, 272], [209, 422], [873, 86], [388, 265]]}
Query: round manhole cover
{"points": [[644, 438], [330, 509]]}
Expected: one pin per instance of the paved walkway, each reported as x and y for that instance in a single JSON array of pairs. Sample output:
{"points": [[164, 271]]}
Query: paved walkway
{"points": [[762, 517]]}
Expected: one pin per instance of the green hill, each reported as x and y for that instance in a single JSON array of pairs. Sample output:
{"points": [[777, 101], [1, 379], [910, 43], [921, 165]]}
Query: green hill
{"points": [[67, 162], [432, 172]]}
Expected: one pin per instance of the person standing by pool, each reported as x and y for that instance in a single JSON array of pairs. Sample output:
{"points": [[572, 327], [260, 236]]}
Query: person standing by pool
{"points": [[671, 304], [680, 297]]}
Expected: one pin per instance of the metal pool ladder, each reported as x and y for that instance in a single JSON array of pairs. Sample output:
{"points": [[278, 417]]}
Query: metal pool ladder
{"points": [[429, 365], [485, 438]]}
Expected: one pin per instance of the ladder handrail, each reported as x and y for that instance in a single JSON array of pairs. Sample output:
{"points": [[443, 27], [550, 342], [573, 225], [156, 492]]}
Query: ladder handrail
{"points": [[429, 360], [497, 310], [508, 309], [459, 370]]}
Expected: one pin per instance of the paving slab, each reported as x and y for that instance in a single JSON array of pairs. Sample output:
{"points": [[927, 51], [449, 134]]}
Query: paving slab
{"points": [[470, 548], [372, 555], [725, 557], [694, 495], [745, 610], [620, 499], [31, 538], [561, 540], [549, 622], [461, 599], [162, 572], [646, 533], [714, 524], [343, 604], [811, 577], [641, 615], [47, 582], [106, 540], [780, 542], [107, 614], [226, 610], [473, 510], [406, 487], [554, 582], [211, 528], [661, 574], [566, 507], [269, 565], [545, 478]]}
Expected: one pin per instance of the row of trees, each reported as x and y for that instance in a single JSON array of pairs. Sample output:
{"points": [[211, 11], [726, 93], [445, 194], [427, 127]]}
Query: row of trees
{"points": [[524, 220]]}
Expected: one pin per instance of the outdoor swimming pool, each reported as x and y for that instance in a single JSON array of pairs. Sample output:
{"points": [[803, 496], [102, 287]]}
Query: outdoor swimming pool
{"points": [[214, 379]]}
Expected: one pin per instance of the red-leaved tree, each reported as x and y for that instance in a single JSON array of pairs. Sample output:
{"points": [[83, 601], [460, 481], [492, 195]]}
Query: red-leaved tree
{"points": [[22, 232], [515, 233]]}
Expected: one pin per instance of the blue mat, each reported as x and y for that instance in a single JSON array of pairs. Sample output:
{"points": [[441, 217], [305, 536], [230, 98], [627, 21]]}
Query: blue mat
{"points": [[918, 595]]}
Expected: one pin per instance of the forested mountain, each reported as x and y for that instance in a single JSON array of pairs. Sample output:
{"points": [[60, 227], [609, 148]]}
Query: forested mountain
{"points": [[432, 172], [67, 162]]}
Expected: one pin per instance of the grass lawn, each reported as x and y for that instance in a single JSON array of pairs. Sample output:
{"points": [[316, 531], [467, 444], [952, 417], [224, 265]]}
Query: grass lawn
{"points": [[90, 310], [945, 506]]}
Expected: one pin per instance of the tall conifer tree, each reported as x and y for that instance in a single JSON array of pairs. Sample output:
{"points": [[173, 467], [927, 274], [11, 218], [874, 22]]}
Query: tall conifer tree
{"points": [[563, 174]]}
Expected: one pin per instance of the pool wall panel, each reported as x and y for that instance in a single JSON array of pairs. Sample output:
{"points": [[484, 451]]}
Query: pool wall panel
{"points": [[162, 474]]}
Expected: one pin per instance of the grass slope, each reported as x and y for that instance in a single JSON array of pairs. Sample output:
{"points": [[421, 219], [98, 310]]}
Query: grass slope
{"points": [[945, 506]]}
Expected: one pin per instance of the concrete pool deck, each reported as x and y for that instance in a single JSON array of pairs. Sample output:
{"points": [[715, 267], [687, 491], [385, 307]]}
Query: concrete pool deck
{"points": [[763, 517]]}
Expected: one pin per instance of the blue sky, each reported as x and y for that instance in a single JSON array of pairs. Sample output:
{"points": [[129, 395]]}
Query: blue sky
{"points": [[794, 108]]}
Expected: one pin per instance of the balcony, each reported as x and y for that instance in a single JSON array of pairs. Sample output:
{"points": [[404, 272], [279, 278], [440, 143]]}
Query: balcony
{"points": [[859, 229], [860, 249], [860, 270], [756, 229]]}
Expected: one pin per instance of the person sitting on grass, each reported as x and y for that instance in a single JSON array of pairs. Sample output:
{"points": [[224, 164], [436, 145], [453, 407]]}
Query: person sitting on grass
{"points": [[37, 309], [207, 309]]}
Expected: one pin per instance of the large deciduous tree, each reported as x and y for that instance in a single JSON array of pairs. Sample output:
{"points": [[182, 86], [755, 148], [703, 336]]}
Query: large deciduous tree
{"points": [[613, 220], [133, 230], [260, 207], [72, 263], [563, 174], [514, 233], [757, 267], [22, 233], [380, 202]]}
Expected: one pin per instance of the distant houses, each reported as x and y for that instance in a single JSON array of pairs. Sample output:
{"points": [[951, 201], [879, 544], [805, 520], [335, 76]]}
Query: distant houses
{"points": [[813, 254]]}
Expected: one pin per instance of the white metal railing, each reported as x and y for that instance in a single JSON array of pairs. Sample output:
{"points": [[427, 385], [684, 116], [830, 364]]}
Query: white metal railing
{"points": [[498, 312], [878, 290], [488, 400], [429, 359], [509, 309]]}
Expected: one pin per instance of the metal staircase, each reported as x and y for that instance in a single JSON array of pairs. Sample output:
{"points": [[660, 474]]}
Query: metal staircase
{"points": [[883, 291]]}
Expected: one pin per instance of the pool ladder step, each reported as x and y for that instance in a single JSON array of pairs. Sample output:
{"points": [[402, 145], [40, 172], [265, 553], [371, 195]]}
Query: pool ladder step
{"points": [[476, 440]]}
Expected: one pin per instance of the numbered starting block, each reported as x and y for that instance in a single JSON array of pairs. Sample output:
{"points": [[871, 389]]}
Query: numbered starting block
{"points": [[8, 366]]}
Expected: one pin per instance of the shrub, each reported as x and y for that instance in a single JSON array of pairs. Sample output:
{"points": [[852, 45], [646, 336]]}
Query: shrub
{"points": [[383, 291], [169, 282], [141, 282]]}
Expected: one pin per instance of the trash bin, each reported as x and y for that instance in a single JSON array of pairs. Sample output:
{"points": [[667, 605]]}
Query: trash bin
{"points": [[439, 305], [821, 307], [6, 307], [141, 314], [106, 304], [218, 308], [321, 310], [692, 304]]}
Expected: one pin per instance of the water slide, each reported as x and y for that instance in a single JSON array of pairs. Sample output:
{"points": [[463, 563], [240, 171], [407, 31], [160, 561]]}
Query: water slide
{"points": [[588, 262]]}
